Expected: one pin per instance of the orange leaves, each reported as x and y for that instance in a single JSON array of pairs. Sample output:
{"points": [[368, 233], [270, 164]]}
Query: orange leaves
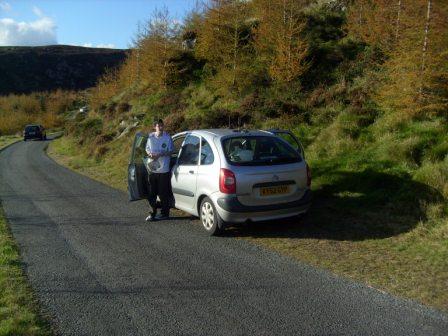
{"points": [[279, 39]]}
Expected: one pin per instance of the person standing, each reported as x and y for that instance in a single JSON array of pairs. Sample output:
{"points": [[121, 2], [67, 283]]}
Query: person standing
{"points": [[159, 148]]}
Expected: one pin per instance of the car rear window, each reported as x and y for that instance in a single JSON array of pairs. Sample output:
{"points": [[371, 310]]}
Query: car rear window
{"points": [[32, 128], [258, 151]]}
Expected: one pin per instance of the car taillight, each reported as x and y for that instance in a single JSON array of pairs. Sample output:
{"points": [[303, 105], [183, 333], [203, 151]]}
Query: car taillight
{"points": [[227, 181], [308, 176]]}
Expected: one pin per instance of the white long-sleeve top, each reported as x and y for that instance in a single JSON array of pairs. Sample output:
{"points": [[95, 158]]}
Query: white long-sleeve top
{"points": [[160, 145]]}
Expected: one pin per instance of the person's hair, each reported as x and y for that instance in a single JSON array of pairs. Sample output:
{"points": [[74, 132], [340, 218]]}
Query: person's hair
{"points": [[158, 122]]}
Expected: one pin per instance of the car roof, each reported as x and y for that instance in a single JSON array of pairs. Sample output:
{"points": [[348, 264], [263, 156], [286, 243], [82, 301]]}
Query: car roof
{"points": [[224, 132]]}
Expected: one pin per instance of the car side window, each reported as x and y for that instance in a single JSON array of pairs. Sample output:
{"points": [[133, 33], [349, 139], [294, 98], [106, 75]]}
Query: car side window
{"points": [[207, 156], [189, 154], [177, 145], [140, 149]]}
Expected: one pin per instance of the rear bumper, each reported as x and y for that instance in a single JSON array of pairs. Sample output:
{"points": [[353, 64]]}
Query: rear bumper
{"points": [[231, 210], [37, 136]]}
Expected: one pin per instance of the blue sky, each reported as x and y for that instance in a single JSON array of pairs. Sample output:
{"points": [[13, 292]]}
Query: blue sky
{"points": [[94, 23]]}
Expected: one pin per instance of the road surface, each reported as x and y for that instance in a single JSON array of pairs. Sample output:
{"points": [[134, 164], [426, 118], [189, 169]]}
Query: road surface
{"points": [[99, 269]]}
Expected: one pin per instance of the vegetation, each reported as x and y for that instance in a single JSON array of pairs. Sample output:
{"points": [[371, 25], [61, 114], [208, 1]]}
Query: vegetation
{"points": [[18, 309], [48, 109]]}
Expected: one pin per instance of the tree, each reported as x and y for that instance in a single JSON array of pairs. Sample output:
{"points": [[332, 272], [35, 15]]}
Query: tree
{"points": [[279, 38], [376, 22], [224, 39], [409, 73], [158, 43]]}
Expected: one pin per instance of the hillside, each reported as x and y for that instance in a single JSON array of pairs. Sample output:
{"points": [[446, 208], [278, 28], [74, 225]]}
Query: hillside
{"points": [[47, 68]]}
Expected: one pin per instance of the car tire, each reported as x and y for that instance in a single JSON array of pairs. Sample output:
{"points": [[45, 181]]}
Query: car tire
{"points": [[24, 139], [209, 217], [45, 137]]}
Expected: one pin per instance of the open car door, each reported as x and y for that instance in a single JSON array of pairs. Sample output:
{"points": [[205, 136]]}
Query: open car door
{"points": [[290, 138], [137, 174]]}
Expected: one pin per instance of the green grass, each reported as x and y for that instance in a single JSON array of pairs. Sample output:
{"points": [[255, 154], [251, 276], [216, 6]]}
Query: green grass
{"points": [[111, 170], [7, 140], [19, 314], [372, 220]]}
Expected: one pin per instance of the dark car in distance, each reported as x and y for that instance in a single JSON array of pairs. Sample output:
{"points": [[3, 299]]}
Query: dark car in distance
{"points": [[34, 132]]}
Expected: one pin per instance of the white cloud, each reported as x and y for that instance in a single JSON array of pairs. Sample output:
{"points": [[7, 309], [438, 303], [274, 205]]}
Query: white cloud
{"points": [[38, 11], [4, 6], [109, 45], [34, 33], [101, 45]]}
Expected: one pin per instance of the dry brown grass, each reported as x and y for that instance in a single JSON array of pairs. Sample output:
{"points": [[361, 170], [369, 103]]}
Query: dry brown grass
{"points": [[16, 111]]}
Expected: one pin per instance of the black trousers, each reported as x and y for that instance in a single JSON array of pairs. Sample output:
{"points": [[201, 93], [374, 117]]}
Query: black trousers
{"points": [[159, 184]]}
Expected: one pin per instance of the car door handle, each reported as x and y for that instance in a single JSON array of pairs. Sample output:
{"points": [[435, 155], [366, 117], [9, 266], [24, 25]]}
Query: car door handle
{"points": [[191, 171]]}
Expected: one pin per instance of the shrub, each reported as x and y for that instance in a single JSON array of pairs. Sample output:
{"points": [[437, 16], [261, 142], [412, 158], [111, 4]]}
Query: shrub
{"points": [[90, 127]]}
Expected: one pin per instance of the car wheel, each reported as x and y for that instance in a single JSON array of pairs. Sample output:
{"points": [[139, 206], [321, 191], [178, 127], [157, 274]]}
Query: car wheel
{"points": [[209, 217], [24, 139]]}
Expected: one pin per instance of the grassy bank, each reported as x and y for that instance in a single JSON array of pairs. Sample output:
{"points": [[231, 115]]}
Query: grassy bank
{"points": [[7, 140], [111, 170], [19, 314], [369, 221]]}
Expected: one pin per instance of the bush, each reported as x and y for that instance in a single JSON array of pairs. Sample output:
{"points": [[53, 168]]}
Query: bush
{"points": [[90, 127]]}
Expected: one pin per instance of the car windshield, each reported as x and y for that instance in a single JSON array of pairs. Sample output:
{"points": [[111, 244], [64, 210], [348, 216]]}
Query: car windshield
{"points": [[258, 151]]}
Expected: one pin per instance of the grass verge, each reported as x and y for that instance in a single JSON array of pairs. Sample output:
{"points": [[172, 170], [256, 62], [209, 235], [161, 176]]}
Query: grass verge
{"points": [[369, 222], [7, 140], [19, 314]]}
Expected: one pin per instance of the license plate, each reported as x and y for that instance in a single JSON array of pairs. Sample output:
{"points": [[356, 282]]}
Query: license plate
{"points": [[277, 190]]}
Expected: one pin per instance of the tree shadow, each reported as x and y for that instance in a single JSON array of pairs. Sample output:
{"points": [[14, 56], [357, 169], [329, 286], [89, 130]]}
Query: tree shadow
{"points": [[353, 206]]}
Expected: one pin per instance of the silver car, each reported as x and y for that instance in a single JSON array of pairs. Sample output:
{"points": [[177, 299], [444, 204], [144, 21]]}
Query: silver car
{"points": [[229, 176]]}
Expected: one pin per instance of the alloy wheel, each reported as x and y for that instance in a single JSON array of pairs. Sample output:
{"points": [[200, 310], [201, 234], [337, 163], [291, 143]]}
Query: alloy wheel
{"points": [[207, 215]]}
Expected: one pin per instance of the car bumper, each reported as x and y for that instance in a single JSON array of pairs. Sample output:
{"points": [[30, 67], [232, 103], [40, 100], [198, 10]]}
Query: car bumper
{"points": [[37, 136], [232, 210]]}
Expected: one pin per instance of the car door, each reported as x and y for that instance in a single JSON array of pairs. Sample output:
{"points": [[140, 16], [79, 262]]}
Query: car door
{"points": [[184, 177], [137, 174], [178, 140], [290, 138]]}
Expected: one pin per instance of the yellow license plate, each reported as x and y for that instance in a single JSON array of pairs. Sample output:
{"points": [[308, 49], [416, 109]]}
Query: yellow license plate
{"points": [[277, 190]]}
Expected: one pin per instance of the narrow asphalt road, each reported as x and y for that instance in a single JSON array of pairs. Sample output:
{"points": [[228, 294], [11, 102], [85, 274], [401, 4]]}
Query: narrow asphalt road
{"points": [[99, 269]]}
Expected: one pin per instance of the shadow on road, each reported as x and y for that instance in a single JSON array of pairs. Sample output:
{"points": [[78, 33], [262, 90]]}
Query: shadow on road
{"points": [[353, 206]]}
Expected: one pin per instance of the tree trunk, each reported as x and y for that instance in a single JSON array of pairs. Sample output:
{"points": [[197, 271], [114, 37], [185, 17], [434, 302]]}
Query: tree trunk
{"points": [[235, 52], [425, 44], [397, 25]]}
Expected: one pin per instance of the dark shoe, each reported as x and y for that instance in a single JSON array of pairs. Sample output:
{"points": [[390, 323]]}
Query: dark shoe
{"points": [[151, 217], [163, 217]]}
